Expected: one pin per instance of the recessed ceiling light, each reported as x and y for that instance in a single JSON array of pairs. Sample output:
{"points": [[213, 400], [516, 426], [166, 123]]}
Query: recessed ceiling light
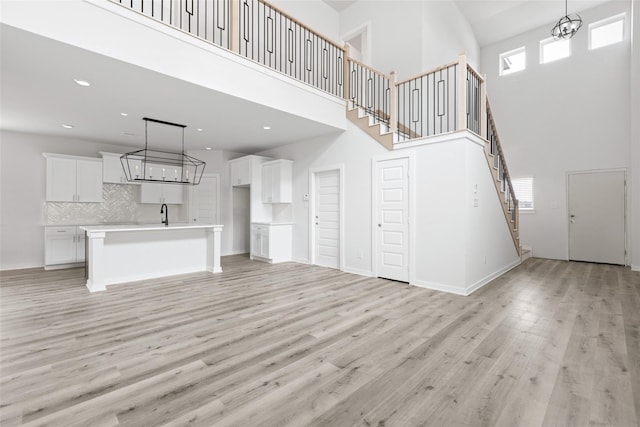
{"points": [[67, 126], [124, 114], [266, 127], [208, 148], [82, 82], [199, 130]]}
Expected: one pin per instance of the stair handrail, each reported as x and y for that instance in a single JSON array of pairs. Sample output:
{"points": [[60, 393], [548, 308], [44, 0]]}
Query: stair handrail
{"points": [[506, 175]]}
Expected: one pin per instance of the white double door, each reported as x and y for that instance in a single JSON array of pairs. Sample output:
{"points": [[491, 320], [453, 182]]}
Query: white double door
{"points": [[391, 219]]}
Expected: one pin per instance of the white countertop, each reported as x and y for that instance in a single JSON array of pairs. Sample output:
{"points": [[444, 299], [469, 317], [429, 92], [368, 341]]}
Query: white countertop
{"points": [[144, 227]]}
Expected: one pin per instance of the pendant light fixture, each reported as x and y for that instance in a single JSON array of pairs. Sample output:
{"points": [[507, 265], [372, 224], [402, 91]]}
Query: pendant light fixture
{"points": [[567, 26], [159, 166]]}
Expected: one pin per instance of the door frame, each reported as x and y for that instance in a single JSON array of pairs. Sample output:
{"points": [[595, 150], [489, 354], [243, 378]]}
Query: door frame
{"points": [[312, 201], [626, 207], [363, 30], [190, 205], [411, 156]]}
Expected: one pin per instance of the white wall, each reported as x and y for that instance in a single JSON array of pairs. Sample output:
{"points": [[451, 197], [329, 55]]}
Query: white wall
{"points": [[315, 14], [445, 34], [448, 236], [22, 193], [411, 37], [635, 138], [569, 115]]}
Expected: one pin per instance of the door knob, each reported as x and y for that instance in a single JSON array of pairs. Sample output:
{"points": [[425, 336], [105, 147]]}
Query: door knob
{"points": [[379, 225], [572, 216]]}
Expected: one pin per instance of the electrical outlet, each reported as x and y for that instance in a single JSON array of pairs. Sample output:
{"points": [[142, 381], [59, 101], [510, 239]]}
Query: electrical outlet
{"points": [[305, 198]]}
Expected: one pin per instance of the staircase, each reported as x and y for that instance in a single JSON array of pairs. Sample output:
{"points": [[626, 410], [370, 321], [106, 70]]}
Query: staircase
{"points": [[450, 98]]}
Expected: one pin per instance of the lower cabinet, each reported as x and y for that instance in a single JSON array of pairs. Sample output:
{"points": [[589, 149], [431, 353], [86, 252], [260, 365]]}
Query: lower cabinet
{"points": [[63, 245], [271, 242]]}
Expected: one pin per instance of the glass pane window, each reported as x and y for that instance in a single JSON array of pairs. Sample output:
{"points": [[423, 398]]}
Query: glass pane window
{"points": [[513, 61], [552, 50], [523, 188], [606, 32]]}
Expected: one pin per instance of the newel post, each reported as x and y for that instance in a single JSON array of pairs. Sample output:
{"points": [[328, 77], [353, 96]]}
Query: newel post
{"points": [[345, 73], [462, 92], [393, 103], [483, 107], [234, 26]]}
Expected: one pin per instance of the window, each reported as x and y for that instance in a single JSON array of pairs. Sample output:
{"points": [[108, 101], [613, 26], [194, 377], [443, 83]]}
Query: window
{"points": [[552, 50], [523, 188], [606, 32], [513, 61]]}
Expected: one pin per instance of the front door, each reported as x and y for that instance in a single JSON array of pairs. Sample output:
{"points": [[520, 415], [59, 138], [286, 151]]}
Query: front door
{"points": [[327, 218], [392, 237], [597, 217]]}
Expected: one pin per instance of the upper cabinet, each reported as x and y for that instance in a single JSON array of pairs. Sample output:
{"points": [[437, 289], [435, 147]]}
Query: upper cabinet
{"points": [[151, 192], [112, 171], [240, 171], [73, 179], [277, 181]]}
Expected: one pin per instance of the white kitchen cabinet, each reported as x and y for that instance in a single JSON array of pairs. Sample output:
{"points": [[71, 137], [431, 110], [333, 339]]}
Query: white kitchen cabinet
{"points": [[271, 242], [240, 171], [73, 179], [277, 181], [171, 194], [63, 245], [112, 170]]}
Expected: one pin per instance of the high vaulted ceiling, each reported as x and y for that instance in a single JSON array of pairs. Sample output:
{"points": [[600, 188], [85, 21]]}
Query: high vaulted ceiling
{"points": [[496, 20]]}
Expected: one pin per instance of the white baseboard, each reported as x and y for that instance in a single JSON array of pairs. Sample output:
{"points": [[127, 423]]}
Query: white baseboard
{"points": [[635, 267], [20, 267], [480, 283], [63, 266], [357, 271], [234, 253], [439, 287], [300, 260]]}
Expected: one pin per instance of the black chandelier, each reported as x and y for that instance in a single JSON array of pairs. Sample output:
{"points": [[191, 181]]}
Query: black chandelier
{"points": [[567, 26], [161, 166]]}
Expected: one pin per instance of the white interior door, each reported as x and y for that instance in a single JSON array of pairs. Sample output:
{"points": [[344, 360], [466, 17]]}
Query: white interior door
{"points": [[597, 217], [392, 199], [204, 200], [327, 218]]}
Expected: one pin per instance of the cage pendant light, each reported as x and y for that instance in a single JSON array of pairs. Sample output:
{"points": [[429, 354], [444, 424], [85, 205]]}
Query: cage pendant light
{"points": [[567, 26], [159, 166]]}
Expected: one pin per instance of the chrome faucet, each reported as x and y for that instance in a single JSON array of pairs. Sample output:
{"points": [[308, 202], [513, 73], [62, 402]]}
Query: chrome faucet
{"points": [[164, 209]]}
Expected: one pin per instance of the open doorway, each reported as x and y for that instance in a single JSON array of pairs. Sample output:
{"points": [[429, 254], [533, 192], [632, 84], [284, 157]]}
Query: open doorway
{"points": [[359, 46], [241, 197]]}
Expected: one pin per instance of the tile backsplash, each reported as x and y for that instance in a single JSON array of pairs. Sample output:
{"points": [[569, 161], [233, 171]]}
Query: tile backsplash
{"points": [[119, 205]]}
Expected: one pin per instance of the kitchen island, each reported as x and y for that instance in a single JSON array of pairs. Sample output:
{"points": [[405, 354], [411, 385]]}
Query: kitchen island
{"points": [[126, 253]]}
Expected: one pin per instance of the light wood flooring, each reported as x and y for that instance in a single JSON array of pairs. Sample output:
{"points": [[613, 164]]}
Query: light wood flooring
{"points": [[550, 343]]}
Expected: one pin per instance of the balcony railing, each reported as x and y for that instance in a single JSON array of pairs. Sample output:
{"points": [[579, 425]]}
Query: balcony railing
{"points": [[446, 99], [275, 39]]}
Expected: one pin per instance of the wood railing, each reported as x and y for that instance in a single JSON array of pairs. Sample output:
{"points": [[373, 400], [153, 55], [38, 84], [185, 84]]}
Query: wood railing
{"points": [[427, 103], [370, 90], [269, 36]]}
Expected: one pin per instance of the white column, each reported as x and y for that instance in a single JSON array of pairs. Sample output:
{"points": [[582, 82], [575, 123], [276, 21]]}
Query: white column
{"points": [[95, 261], [213, 249]]}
